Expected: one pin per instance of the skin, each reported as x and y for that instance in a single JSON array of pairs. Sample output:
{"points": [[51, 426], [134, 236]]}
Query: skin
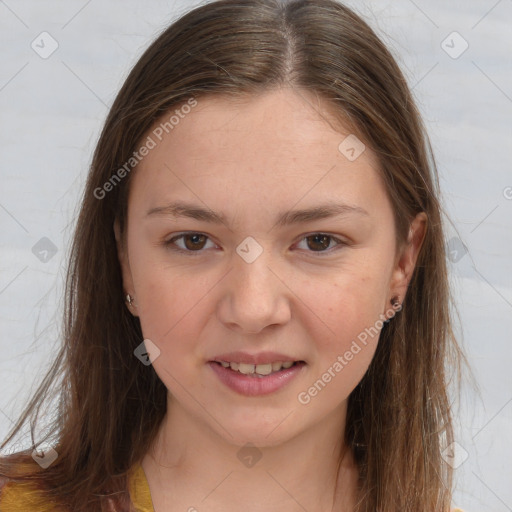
{"points": [[251, 160]]}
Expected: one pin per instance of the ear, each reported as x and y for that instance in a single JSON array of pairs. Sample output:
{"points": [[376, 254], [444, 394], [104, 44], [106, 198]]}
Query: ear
{"points": [[407, 257], [122, 256]]}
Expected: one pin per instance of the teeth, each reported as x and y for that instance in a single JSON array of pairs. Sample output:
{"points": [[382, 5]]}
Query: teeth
{"points": [[246, 369], [259, 369], [264, 369]]}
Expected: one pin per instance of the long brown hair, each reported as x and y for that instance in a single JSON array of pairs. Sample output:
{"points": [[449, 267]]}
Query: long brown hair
{"points": [[111, 405]]}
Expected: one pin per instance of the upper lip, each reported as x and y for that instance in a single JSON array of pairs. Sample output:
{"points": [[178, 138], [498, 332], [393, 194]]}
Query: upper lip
{"points": [[259, 358]]}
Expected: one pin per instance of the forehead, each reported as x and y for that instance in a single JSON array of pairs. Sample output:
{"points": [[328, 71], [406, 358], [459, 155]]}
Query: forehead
{"points": [[281, 145], [281, 120]]}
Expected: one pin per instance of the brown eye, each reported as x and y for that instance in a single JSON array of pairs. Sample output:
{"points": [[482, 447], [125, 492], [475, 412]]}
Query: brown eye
{"points": [[318, 242], [190, 242], [194, 241], [321, 243]]}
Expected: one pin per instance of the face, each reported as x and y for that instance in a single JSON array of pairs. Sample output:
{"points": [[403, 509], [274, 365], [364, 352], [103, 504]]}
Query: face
{"points": [[249, 281]]}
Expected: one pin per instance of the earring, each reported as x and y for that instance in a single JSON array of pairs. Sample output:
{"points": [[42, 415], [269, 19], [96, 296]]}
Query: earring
{"points": [[129, 299], [396, 305], [395, 302]]}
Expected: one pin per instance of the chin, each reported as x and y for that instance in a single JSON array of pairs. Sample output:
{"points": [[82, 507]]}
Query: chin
{"points": [[275, 430]]}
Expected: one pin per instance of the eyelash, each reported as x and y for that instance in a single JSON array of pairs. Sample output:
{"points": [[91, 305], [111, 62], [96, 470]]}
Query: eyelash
{"points": [[170, 243]]}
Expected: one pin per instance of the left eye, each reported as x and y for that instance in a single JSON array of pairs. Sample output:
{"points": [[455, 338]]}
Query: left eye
{"points": [[320, 242], [195, 242]]}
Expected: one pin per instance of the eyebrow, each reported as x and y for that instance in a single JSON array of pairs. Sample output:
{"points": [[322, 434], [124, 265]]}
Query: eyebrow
{"points": [[322, 211]]}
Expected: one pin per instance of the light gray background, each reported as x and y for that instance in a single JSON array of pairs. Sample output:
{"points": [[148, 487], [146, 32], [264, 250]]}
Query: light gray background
{"points": [[52, 111]]}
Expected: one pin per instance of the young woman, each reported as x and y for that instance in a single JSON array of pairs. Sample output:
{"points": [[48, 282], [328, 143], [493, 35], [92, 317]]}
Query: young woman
{"points": [[258, 308]]}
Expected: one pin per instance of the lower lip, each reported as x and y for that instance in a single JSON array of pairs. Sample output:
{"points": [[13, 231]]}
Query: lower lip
{"points": [[255, 386]]}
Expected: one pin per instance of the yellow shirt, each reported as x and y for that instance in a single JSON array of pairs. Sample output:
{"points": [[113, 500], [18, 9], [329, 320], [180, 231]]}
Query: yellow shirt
{"points": [[23, 498]]}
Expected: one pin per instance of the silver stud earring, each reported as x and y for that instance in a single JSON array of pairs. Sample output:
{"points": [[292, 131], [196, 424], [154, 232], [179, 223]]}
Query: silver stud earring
{"points": [[129, 299]]}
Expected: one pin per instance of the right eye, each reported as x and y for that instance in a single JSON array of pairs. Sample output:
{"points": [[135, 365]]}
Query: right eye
{"points": [[193, 242]]}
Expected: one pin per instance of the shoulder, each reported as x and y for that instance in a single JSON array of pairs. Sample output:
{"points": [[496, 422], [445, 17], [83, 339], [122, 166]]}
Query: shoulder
{"points": [[140, 494], [22, 496], [18, 496]]}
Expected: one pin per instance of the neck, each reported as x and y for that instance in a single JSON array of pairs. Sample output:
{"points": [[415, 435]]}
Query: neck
{"points": [[189, 465]]}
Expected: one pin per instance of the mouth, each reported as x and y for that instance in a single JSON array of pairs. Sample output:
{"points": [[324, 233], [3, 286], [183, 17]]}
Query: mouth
{"points": [[258, 370]]}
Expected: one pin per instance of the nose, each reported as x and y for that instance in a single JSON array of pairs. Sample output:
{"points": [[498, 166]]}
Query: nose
{"points": [[254, 296]]}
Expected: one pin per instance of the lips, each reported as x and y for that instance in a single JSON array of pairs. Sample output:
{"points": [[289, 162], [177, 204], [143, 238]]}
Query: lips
{"points": [[256, 374], [255, 384]]}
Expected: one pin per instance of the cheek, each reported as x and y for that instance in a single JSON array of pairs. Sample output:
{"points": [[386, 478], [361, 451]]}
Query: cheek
{"points": [[350, 310], [170, 304], [354, 299], [168, 299], [171, 312]]}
